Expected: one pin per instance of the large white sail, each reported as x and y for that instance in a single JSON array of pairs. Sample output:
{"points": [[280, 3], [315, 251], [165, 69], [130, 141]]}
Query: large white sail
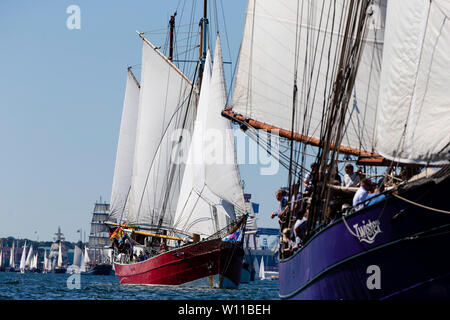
{"points": [[211, 188], [287, 37], [195, 211], [125, 150], [221, 172], [23, 258], [165, 105], [414, 93]]}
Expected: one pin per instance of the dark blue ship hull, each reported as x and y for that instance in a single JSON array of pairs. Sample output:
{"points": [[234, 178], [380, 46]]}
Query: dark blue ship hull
{"points": [[392, 249]]}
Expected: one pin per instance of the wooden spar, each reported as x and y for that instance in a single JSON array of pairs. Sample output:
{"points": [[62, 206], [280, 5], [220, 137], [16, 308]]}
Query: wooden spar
{"points": [[164, 57], [228, 113], [133, 77], [151, 234], [157, 235]]}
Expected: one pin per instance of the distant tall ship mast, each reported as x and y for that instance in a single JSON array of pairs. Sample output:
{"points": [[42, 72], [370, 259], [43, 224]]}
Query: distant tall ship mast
{"points": [[58, 253], [99, 251]]}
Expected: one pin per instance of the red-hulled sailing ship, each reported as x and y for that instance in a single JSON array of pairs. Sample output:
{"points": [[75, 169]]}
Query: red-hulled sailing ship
{"points": [[178, 191]]}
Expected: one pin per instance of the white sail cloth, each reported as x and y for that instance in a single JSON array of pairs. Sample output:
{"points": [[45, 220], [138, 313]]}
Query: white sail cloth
{"points": [[28, 261], [163, 102], [23, 258], [11, 257], [414, 113], [77, 256], [125, 150], [211, 188], [267, 65]]}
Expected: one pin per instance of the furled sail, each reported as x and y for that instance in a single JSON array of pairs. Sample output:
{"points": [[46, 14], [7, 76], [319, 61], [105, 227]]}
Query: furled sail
{"points": [[286, 40], [166, 106], [211, 193], [414, 112], [125, 150]]}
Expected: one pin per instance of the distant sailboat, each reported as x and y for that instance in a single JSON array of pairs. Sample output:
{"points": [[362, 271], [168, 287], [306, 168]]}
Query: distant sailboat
{"points": [[29, 259], [1, 260], [77, 260], [12, 267], [59, 266], [23, 258], [262, 272], [45, 264]]}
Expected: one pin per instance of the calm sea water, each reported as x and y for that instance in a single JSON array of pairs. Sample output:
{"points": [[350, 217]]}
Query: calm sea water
{"points": [[35, 286]]}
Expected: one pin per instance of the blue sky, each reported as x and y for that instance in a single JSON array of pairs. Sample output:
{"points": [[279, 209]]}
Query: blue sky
{"points": [[61, 95]]}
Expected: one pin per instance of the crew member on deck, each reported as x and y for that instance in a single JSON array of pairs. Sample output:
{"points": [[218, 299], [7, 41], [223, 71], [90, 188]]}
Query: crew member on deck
{"points": [[351, 179], [362, 193]]}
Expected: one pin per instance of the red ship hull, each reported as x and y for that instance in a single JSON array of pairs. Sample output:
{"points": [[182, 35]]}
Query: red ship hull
{"points": [[208, 260]]}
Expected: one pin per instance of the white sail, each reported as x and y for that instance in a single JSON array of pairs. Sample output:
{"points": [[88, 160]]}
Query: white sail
{"points": [[414, 93], [83, 265], [77, 256], [125, 150], [86, 256], [221, 172], [11, 257], [195, 211], [23, 258], [29, 259], [165, 105], [267, 66], [211, 189], [34, 264], [262, 273], [256, 267], [1, 259], [60, 259], [45, 264]]}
